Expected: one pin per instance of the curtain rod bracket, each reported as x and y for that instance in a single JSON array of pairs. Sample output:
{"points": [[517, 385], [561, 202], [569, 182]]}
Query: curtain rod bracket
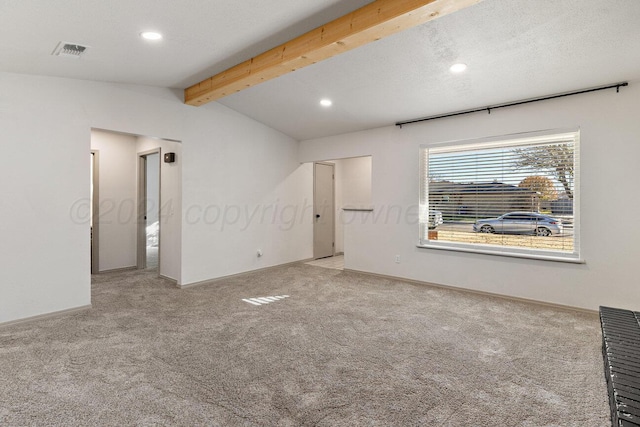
{"points": [[619, 85]]}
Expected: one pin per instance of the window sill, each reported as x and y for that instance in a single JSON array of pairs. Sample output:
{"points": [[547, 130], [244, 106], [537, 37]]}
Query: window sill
{"points": [[504, 253]]}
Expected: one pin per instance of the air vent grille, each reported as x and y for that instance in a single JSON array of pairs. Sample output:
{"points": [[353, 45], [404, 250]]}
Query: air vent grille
{"points": [[70, 50]]}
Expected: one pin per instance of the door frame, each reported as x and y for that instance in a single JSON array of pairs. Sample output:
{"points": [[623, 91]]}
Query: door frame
{"points": [[333, 210], [141, 252], [95, 214]]}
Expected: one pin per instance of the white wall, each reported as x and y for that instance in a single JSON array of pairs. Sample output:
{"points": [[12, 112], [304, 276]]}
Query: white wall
{"points": [[356, 182], [353, 190], [610, 132], [117, 214], [243, 190], [169, 204], [227, 160]]}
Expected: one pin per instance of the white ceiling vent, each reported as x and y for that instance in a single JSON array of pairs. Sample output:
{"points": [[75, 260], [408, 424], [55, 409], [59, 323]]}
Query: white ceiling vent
{"points": [[70, 50]]}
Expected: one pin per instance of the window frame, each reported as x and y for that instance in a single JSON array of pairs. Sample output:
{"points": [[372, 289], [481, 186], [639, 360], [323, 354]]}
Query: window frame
{"points": [[520, 139]]}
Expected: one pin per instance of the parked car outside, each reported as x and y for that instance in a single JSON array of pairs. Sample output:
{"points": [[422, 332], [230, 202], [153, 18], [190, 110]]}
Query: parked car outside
{"points": [[435, 219], [520, 223]]}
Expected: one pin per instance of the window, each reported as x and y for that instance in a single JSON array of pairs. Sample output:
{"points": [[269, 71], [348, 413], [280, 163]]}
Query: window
{"points": [[515, 195]]}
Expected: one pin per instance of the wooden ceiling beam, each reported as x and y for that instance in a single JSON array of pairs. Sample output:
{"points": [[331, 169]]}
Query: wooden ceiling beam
{"points": [[372, 22]]}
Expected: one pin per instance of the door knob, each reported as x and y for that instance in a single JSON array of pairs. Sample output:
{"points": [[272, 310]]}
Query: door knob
{"points": [[317, 215]]}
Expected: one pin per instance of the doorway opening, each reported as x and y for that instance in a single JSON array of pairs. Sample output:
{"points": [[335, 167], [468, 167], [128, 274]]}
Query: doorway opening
{"points": [[94, 206], [149, 210], [138, 225], [350, 192]]}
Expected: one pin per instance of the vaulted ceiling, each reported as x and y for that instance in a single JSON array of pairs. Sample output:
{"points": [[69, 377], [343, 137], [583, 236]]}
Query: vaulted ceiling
{"points": [[514, 49]]}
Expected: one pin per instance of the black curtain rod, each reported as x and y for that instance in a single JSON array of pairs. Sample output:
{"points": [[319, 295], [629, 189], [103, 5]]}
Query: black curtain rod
{"points": [[617, 86]]}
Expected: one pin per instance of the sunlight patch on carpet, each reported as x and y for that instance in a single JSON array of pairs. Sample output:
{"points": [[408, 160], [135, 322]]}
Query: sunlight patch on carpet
{"points": [[264, 300]]}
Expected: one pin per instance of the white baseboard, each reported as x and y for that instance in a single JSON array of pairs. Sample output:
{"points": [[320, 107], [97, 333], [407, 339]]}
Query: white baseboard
{"points": [[218, 279], [473, 291], [45, 316], [118, 270]]}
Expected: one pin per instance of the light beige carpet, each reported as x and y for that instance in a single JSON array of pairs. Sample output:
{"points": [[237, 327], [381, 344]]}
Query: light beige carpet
{"points": [[343, 349]]}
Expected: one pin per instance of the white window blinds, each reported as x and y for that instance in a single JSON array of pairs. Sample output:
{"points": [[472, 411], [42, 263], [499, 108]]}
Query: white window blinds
{"points": [[513, 195]]}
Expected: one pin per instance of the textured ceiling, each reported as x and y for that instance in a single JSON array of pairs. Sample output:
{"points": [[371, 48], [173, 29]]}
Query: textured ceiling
{"points": [[201, 37], [515, 49]]}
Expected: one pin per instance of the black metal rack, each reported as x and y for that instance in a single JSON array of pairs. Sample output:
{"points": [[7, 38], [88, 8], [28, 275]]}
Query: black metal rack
{"points": [[621, 353]]}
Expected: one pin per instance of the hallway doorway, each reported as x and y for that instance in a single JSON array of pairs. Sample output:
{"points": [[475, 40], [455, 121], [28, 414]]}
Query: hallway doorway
{"points": [[149, 210]]}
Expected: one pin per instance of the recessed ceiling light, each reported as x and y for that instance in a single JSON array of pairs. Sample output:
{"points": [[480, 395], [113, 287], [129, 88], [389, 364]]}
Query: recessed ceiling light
{"points": [[150, 35], [458, 68], [326, 102]]}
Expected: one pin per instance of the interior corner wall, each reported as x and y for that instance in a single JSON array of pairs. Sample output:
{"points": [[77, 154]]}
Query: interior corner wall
{"points": [[609, 153], [117, 186], [246, 170], [243, 190], [169, 206], [352, 190]]}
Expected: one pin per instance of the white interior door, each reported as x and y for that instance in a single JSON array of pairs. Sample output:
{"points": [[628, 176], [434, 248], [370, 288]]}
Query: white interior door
{"points": [[323, 210]]}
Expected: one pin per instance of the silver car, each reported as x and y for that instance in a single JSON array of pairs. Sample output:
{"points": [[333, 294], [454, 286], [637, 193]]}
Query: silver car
{"points": [[520, 223]]}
